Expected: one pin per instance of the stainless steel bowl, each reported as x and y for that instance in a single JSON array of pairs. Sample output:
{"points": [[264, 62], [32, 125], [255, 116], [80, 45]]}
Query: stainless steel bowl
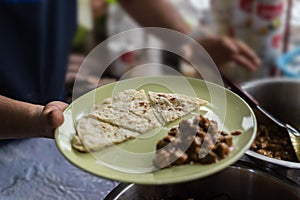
{"points": [[240, 181], [281, 97]]}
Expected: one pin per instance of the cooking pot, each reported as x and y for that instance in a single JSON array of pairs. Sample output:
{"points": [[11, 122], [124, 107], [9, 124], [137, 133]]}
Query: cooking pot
{"points": [[239, 181], [281, 97]]}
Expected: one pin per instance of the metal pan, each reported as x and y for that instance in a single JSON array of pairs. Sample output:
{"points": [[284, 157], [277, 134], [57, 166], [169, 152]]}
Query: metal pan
{"points": [[240, 181], [281, 97]]}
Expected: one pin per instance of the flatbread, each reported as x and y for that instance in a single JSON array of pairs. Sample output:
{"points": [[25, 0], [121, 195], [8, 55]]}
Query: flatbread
{"points": [[130, 110], [93, 135], [127, 115], [169, 107]]}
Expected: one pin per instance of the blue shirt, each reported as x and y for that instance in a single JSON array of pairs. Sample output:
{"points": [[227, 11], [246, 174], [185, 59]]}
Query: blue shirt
{"points": [[35, 41]]}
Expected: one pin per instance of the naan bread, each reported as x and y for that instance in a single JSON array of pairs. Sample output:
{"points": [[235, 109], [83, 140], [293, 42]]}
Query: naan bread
{"points": [[169, 107], [130, 110], [93, 135]]}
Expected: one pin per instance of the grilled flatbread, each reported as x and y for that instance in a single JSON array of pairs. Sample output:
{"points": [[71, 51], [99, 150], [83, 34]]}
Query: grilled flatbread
{"points": [[93, 135], [128, 114], [129, 110], [169, 107]]}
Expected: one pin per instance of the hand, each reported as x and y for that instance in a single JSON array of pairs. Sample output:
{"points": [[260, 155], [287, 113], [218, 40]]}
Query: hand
{"points": [[52, 117], [223, 49], [21, 119]]}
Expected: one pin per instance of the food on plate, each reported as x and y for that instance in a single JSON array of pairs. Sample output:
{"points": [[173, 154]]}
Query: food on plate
{"points": [[170, 107], [128, 114], [129, 109], [94, 135], [236, 132], [272, 142], [193, 141]]}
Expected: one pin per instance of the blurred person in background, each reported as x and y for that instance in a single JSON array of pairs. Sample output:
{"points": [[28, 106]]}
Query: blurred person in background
{"points": [[36, 39]]}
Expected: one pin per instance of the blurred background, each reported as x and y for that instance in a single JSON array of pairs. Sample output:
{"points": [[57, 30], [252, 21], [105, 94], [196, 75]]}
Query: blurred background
{"points": [[270, 27]]}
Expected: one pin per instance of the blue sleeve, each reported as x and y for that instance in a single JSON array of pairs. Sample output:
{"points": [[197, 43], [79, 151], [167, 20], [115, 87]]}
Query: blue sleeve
{"points": [[35, 38]]}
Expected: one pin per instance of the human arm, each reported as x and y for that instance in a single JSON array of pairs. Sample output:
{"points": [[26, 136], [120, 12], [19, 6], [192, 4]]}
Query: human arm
{"points": [[155, 13], [161, 13], [20, 119]]}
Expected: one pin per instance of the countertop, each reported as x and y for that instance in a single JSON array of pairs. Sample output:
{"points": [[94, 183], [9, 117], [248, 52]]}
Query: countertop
{"points": [[34, 169]]}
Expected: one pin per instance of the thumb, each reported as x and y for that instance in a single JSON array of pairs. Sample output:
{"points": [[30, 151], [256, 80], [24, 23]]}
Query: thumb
{"points": [[53, 114]]}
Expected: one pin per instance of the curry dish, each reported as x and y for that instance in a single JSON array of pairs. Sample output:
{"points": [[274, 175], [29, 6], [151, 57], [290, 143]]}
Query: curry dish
{"points": [[272, 142], [196, 141]]}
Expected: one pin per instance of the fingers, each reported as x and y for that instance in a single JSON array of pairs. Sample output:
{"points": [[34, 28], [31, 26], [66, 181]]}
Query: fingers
{"points": [[57, 104], [53, 114], [52, 117], [246, 56], [239, 52], [224, 49], [243, 61], [229, 45]]}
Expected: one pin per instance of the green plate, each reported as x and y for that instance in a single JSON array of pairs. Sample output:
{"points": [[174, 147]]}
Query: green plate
{"points": [[131, 161]]}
